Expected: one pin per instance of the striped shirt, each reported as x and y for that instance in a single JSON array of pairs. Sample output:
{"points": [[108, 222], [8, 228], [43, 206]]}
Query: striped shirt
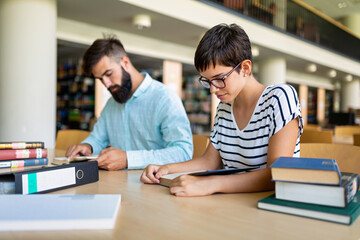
{"points": [[277, 106]]}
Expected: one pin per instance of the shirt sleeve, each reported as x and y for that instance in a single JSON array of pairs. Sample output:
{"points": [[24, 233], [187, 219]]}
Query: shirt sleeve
{"points": [[285, 107], [98, 138], [176, 133]]}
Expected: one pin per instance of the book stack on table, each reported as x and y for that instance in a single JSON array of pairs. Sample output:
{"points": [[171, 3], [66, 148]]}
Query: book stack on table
{"points": [[314, 188], [22, 154]]}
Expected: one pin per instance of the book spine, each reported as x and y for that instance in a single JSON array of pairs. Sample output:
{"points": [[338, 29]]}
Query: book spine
{"points": [[23, 163], [351, 190], [21, 145], [14, 154]]}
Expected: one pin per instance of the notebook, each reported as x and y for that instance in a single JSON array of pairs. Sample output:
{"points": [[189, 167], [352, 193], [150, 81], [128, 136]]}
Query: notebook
{"points": [[58, 212]]}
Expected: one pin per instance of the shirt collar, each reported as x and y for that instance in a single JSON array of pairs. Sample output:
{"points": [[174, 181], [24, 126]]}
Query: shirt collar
{"points": [[144, 85]]}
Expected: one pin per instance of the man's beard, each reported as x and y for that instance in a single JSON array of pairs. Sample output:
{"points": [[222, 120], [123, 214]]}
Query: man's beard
{"points": [[122, 93]]}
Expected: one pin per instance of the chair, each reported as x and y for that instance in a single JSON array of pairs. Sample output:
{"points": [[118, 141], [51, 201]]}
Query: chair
{"points": [[200, 144], [316, 136], [66, 138], [347, 156], [346, 130], [312, 127], [356, 137]]}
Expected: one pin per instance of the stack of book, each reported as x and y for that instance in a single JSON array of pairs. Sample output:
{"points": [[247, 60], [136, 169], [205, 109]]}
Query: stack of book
{"points": [[22, 154], [314, 188]]}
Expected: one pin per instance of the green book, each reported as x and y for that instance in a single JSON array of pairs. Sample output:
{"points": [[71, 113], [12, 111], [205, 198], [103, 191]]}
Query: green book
{"points": [[333, 214]]}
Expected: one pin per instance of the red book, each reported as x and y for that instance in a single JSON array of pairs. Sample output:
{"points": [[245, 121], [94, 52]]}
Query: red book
{"points": [[23, 153]]}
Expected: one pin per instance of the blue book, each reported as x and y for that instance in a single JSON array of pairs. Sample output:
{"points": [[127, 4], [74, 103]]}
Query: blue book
{"points": [[58, 211], [306, 170], [18, 163]]}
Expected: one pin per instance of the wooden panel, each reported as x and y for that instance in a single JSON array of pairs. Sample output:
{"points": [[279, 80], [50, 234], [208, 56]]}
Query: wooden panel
{"points": [[320, 115], [66, 138], [347, 156], [172, 76], [316, 136], [303, 97], [200, 144], [346, 130]]}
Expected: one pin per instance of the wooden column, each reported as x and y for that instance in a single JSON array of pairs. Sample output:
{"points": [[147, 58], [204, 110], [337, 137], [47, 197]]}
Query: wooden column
{"points": [[303, 97]]}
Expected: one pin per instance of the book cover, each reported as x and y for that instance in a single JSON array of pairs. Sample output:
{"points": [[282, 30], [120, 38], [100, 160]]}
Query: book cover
{"points": [[58, 212], [21, 145], [306, 170], [24, 163], [332, 214], [50, 178], [329, 195], [11, 154], [167, 179]]}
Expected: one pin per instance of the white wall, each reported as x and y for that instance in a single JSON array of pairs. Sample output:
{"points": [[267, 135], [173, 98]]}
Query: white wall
{"points": [[28, 71]]}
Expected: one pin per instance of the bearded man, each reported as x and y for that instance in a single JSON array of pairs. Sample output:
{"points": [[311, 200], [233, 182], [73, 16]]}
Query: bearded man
{"points": [[144, 122]]}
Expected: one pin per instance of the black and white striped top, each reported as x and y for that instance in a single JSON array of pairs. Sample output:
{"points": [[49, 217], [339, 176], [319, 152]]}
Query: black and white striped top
{"points": [[277, 106]]}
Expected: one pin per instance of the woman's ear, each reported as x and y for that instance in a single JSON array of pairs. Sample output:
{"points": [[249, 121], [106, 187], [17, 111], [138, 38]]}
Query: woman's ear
{"points": [[246, 66]]}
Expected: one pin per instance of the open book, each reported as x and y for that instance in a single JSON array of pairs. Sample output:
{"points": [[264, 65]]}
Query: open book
{"points": [[167, 179], [65, 160]]}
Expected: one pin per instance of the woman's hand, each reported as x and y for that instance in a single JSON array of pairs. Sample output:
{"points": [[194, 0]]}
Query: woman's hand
{"points": [[153, 173], [187, 185]]}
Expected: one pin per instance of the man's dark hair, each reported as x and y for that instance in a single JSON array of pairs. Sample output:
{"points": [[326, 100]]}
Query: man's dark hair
{"points": [[227, 45], [109, 46]]}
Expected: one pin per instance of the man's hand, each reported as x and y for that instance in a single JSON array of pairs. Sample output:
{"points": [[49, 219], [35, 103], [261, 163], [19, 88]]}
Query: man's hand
{"points": [[112, 159], [83, 149]]}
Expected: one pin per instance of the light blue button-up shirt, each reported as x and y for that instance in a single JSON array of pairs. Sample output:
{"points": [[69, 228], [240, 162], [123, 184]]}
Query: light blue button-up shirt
{"points": [[152, 127]]}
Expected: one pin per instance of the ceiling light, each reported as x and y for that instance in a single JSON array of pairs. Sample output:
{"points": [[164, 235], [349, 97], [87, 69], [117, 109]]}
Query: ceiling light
{"points": [[311, 67], [255, 51], [142, 21], [342, 5], [332, 73], [348, 77]]}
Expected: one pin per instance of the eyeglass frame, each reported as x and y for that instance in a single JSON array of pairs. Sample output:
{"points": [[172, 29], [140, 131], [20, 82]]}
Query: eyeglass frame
{"points": [[223, 78]]}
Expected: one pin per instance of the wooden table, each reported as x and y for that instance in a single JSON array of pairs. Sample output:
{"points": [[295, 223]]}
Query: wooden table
{"points": [[150, 212]]}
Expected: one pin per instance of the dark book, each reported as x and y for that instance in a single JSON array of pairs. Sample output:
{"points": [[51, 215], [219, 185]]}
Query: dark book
{"points": [[48, 178], [21, 145], [24, 163], [329, 195], [12, 154], [306, 170], [332, 214], [167, 179]]}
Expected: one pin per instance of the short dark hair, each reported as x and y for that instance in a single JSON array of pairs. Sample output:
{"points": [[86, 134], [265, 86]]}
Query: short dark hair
{"points": [[223, 44], [109, 46]]}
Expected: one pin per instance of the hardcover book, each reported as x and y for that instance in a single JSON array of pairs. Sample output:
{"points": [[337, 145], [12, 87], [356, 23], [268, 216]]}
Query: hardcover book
{"points": [[306, 170], [58, 212], [48, 178], [333, 214], [167, 179], [24, 163], [329, 195], [21, 145], [23, 153]]}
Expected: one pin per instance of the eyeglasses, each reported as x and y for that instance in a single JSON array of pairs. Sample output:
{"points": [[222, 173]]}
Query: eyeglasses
{"points": [[216, 82]]}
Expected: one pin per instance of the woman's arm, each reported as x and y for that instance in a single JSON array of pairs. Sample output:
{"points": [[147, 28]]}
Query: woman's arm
{"points": [[281, 143], [210, 160]]}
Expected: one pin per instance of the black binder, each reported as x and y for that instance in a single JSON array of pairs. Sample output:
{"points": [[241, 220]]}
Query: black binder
{"points": [[52, 178]]}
